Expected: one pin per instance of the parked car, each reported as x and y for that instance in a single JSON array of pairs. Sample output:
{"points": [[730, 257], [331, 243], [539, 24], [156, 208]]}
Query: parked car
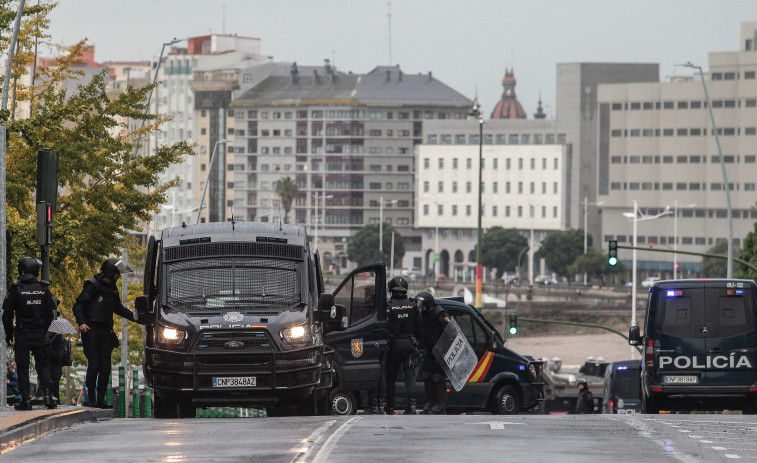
{"points": [[649, 281], [511, 280], [544, 280]]}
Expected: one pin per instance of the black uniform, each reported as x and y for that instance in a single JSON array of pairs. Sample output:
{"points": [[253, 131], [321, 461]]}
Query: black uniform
{"points": [[404, 333], [56, 353], [585, 401], [33, 306], [435, 321], [95, 307]]}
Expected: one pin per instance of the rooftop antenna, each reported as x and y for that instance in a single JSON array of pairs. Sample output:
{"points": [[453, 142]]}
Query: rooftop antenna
{"points": [[223, 19], [389, 16], [281, 227]]}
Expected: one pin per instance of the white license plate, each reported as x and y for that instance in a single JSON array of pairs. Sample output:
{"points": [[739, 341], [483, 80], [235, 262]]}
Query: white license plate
{"points": [[235, 381], [680, 379]]}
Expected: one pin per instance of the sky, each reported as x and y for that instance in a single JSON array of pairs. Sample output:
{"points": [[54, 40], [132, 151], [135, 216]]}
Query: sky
{"points": [[467, 44]]}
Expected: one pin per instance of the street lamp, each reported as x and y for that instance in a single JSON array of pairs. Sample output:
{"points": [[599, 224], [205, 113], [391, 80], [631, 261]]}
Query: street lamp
{"points": [[381, 222], [586, 215], [637, 217], [675, 239], [323, 199], [207, 178], [729, 271], [476, 112]]}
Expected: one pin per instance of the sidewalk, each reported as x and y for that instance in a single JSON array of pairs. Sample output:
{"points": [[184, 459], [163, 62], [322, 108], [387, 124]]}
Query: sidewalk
{"points": [[18, 427]]}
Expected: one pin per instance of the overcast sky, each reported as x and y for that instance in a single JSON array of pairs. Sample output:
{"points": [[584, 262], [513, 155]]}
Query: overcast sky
{"points": [[467, 44]]}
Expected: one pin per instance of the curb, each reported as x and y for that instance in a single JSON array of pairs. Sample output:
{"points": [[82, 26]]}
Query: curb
{"points": [[39, 426]]}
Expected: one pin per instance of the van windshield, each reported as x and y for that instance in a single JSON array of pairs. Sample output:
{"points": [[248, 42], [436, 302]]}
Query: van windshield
{"points": [[233, 282], [684, 312]]}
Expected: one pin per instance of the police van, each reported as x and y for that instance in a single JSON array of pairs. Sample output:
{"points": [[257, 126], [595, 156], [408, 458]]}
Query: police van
{"points": [[699, 346], [503, 381], [622, 388]]}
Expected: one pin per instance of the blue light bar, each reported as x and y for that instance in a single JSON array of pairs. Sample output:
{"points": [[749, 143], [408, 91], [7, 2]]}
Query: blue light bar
{"points": [[522, 367], [674, 293], [622, 367]]}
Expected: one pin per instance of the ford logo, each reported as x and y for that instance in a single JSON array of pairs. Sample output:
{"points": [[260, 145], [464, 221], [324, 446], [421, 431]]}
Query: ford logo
{"points": [[233, 345]]}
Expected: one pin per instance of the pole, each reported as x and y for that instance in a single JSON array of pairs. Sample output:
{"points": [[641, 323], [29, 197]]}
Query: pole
{"points": [[381, 227], [3, 217], [391, 258], [675, 241], [316, 220], [207, 178], [124, 323], [436, 249], [479, 268], [633, 270], [586, 214]]}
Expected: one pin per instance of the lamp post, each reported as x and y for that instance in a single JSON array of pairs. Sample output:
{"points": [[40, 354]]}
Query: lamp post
{"points": [[381, 222], [586, 216], [637, 217], [207, 178], [437, 263], [476, 112], [675, 239], [729, 271]]}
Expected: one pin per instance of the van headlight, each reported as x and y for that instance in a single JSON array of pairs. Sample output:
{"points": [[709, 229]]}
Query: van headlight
{"points": [[171, 335], [296, 334]]}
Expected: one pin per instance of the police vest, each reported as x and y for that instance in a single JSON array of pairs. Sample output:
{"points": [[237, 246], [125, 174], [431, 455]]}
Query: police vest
{"points": [[403, 317], [100, 307], [32, 306]]}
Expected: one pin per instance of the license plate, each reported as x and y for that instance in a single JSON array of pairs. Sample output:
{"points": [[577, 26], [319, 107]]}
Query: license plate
{"points": [[680, 379], [235, 381]]}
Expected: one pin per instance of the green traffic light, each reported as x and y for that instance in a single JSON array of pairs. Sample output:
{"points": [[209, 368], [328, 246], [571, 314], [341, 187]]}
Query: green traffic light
{"points": [[513, 330], [613, 260]]}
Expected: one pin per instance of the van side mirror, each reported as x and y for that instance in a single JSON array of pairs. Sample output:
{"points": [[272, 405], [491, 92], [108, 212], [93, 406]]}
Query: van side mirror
{"points": [[634, 336], [326, 308], [143, 311]]}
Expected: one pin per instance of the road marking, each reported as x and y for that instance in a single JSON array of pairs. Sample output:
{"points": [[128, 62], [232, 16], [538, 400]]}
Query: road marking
{"points": [[732, 456], [310, 441], [323, 453], [495, 424]]}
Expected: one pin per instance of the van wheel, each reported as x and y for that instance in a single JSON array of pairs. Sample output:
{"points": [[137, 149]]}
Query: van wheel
{"points": [[506, 401], [649, 406], [342, 403]]}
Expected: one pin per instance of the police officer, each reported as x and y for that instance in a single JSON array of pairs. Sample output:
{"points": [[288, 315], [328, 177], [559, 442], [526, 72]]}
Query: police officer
{"points": [[404, 332], [435, 320], [585, 401], [94, 309], [34, 308]]}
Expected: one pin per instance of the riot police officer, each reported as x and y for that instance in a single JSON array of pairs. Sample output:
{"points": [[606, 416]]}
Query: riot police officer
{"points": [[435, 320], [404, 332], [585, 400], [33, 306], [94, 309]]}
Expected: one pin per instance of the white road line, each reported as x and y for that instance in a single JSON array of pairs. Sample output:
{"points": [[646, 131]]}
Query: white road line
{"points": [[323, 453], [649, 433], [311, 440], [732, 456]]}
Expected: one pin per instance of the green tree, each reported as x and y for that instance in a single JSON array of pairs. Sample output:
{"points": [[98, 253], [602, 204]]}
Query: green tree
{"points": [[561, 248], [364, 247], [749, 254], [500, 249], [287, 190], [594, 263], [713, 267]]}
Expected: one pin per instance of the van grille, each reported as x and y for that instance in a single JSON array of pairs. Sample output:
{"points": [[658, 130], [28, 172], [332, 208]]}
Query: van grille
{"points": [[232, 342], [193, 251]]}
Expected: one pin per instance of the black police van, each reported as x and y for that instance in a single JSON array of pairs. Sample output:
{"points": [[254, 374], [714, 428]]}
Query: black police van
{"points": [[699, 346], [503, 382], [231, 319], [622, 388]]}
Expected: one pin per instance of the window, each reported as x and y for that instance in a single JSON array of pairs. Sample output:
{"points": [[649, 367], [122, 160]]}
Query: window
{"points": [[425, 209], [468, 163], [467, 210], [668, 105], [454, 163], [467, 187], [494, 211], [454, 187], [749, 75], [441, 163], [454, 210], [439, 209], [440, 188]]}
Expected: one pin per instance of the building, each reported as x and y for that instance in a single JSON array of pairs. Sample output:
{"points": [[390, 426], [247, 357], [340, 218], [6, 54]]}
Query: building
{"points": [[656, 146], [347, 140]]}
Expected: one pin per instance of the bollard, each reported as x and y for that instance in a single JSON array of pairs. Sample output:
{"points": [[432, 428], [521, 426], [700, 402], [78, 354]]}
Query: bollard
{"points": [[148, 402], [109, 391], [122, 392], [212, 412], [198, 413], [135, 393]]}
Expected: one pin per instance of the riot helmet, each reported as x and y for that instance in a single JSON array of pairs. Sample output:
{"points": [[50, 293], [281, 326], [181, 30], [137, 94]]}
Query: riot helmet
{"points": [[397, 284], [583, 384], [111, 266], [30, 265], [425, 300]]}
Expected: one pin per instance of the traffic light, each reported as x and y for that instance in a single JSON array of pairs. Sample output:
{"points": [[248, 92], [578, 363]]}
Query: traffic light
{"points": [[44, 224], [613, 253], [513, 325]]}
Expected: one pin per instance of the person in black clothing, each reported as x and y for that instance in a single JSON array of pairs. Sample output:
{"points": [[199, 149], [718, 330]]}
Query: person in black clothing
{"points": [[56, 353], [435, 320], [94, 309], [585, 401], [33, 306], [404, 333]]}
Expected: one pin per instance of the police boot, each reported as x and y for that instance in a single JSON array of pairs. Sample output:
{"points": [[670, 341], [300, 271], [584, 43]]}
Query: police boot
{"points": [[410, 409], [373, 408], [382, 407], [49, 401], [23, 405]]}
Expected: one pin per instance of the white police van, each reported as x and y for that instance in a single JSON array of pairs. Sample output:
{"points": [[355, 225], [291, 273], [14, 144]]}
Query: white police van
{"points": [[699, 346]]}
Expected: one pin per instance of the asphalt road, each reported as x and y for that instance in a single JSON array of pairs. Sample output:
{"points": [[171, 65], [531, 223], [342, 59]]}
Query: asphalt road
{"points": [[361, 438]]}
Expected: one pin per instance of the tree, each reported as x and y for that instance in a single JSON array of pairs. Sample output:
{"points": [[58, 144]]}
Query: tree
{"points": [[287, 190], [500, 249], [364, 248], [561, 248], [594, 263]]}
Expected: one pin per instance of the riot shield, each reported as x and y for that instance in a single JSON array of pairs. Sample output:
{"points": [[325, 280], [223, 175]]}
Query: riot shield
{"points": [[455, 355]]}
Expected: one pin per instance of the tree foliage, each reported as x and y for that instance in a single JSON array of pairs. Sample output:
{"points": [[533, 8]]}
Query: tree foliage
{"points": [[500, 249], [561, 248], [364, 248], [287, 190], [594, 263]]}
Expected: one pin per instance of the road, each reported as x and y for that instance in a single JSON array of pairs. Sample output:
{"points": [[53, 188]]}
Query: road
{"points": [[479, 438]]}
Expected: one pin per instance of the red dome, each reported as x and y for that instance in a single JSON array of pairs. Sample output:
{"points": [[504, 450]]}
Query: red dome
{"points": [[509, 107]]}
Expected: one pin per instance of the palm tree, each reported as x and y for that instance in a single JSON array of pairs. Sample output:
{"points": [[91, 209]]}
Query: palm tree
{"points": [[287, 191]]}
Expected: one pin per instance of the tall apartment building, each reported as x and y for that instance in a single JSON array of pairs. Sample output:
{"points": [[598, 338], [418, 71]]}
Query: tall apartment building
{"points": [[656, 146], [346, 139]]}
